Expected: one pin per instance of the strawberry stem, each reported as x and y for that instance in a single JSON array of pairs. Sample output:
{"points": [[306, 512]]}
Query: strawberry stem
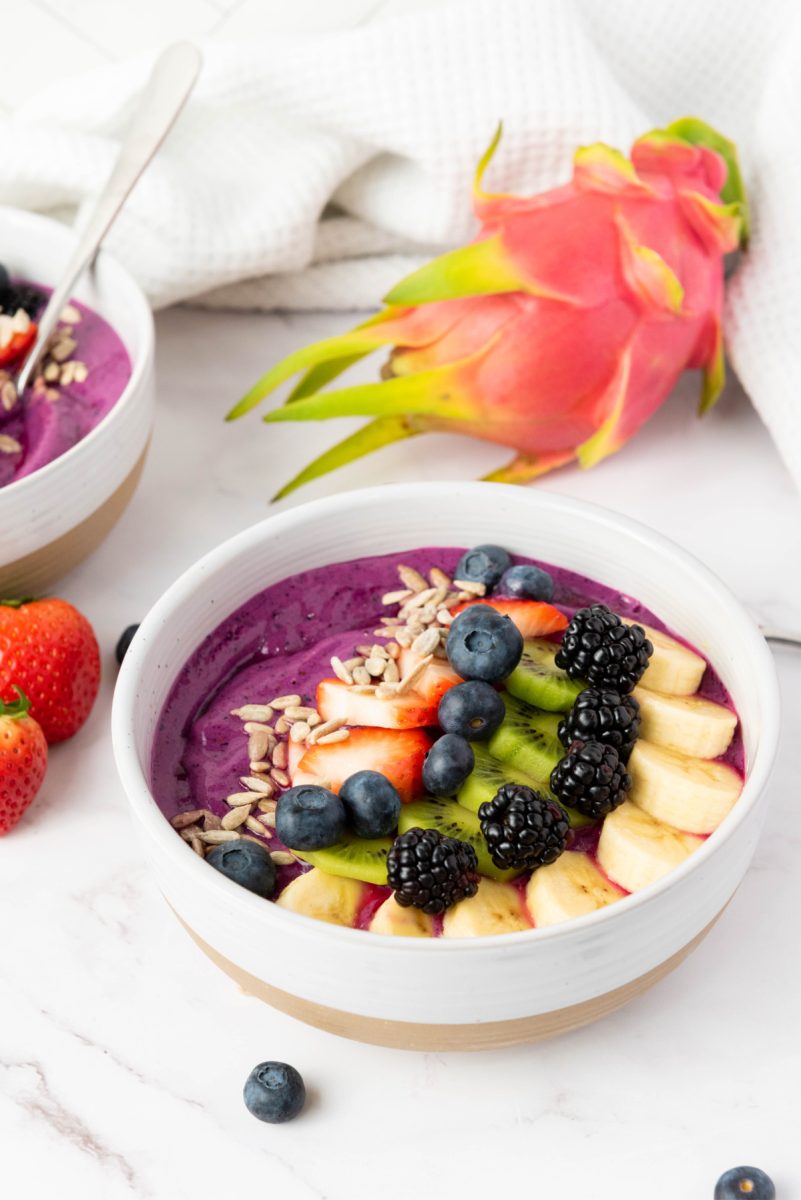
{"points": [[17, 603], [16, 709]]}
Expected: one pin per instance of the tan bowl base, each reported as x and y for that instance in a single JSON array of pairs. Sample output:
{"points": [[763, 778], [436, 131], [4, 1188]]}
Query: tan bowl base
{"points": [[35, 572], [409, 1035]]}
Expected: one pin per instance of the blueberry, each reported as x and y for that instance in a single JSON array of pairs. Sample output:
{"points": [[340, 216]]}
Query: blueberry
{"points": [[483, 644], [745, 1183], [247, 864], [447, 764], [274, 1092], [5, 282], [125, 640], [527, 583], [372, 804], [473, 709], [309, 818], [483, 564]]}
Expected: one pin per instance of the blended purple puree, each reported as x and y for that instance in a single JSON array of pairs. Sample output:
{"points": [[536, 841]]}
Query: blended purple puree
{"points": [[281, 642], [51, 422]]}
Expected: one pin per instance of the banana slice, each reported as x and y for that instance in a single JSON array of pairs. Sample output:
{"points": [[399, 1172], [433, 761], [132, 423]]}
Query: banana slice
{"points": [[687, 724], [635, 850], [691, 794], [673, 668], [326, 897], [495, 908], [392, 917], [569, 887]]}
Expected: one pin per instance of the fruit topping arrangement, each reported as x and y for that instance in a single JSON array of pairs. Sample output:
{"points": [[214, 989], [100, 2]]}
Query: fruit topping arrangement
{"points": [[494, 761], [49, 679]]}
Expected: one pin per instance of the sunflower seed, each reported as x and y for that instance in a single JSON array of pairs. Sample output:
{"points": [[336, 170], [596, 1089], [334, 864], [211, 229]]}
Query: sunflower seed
{"points": [[439, 578], [408, 682], [210, 820], [266, 805], [444, 617], [439, 596], [391, 672], [238, 798], [9, 444], [396, 597], [375, 667], [236, 817], [51, 372], [350, 663], [282, 725], [258, 727], [412, 579], [253, 712], [299, 731], [70, 315], [197, 846], [326, 727], [284, 702], [418, 600], [314, 719], [378, 651], [255, 826], [426, 614], [255, 784], [361, 675], [259, 766], [390, 621], [280, 777], [393, 650], [63, 348], [426, 643], [404, 638], [282, 858], [182, 820], [188, 834], [364, 689], [8, 395], [340, 670], [300, 712], [387, 633], [80, 371], [216, 837], [269, 819], [259, 745], [386, 691], [339, 735], [281, 755], [469, 586]]}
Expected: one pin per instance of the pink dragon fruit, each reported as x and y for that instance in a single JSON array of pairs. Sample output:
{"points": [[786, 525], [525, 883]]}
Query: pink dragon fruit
{"points": [[561, 328]]}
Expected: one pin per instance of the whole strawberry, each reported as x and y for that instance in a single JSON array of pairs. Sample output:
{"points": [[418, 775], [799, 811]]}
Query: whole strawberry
{"points": [[23, 760], [49, 650]]}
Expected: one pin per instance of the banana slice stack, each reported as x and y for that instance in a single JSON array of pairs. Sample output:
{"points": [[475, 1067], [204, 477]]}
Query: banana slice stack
{"points": [[680, 794]]}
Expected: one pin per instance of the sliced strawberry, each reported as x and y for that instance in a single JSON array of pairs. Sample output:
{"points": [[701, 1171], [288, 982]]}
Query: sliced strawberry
{"points": [[296, 750], [532, 617], [338, 702], [438, 677], [396, 753], [20, 343]]}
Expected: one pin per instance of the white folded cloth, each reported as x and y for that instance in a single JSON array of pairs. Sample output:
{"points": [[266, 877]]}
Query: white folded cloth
{"points": [[312, 172]]}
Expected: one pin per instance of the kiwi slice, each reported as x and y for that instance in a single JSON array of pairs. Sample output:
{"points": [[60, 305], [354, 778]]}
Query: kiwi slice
{"points": [[527, 739], [538, 681], [452, 820], [489, 774], [353, 857]]}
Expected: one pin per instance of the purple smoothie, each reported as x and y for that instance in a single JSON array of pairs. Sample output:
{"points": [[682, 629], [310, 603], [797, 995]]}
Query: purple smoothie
{"points": [[281, 641], [53, 418]]}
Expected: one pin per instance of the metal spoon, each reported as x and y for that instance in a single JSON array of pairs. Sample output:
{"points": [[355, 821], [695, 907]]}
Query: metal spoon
{"points": [[784, 637], [167, 91]]}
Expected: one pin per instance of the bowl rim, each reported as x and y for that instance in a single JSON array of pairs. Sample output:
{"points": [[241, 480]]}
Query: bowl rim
{"points": [[146, 810], [120, 279]]}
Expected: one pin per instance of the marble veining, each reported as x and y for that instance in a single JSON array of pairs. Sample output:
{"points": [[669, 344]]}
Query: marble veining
{"points": [[123, 1051]]}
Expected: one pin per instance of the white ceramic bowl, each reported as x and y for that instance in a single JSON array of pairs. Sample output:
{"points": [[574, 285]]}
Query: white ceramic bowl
{"points": [[53, 518], [467, 992]]}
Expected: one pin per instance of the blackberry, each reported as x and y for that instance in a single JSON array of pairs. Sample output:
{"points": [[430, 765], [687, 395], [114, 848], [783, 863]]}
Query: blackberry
{"points": [[602, 716], [598, 648], [21, 295], [430, 871], [591, 778], [522, 828]]}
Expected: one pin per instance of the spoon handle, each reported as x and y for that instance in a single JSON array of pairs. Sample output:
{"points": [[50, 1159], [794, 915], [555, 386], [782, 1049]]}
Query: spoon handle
{"points": [[784, 636], [166, 93]]}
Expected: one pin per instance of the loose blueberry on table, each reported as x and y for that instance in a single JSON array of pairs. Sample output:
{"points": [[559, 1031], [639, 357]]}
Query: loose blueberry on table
{"points": [[483, 746], [274, 1092], [745, 1183]]}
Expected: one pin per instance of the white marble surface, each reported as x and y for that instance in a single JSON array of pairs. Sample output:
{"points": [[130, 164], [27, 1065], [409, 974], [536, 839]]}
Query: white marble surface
{"points": [[123, 1051]]}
